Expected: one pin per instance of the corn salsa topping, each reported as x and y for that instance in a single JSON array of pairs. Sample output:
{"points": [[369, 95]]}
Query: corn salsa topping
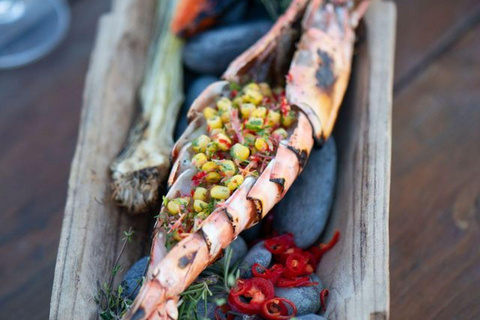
{"points": [[244, 128]]}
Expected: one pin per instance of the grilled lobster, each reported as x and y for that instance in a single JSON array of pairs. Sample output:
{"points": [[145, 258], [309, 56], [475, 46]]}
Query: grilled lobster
{"points": [[246, 143]]}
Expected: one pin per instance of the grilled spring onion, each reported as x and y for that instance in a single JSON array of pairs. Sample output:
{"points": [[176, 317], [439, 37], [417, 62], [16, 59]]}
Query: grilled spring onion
{"points": [[143, 163]]}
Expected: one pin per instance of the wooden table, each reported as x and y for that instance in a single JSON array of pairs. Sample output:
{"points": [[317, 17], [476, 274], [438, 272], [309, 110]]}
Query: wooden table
{"points": [[435, 203]]}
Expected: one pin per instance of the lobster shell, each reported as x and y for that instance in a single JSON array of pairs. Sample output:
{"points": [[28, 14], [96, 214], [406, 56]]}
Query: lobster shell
{"points": [[316, 76]]}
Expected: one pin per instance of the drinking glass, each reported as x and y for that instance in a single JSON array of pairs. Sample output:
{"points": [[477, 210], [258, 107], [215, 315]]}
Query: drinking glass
{"points": [[30, 29]]}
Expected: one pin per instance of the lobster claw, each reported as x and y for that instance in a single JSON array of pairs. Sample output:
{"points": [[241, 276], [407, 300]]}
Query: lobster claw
{"points": [[320, 68]]}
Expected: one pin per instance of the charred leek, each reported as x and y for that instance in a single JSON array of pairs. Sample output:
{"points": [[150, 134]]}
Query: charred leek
{"points": [[143, 164]]}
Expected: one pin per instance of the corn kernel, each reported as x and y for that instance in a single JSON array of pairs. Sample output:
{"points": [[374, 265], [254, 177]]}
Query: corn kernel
{"points": [[246, 109], [199, 205], [225, 116], [235, 182], [216, 131], [174, 206], [199, 160], [222, 141], [249, 138], [228, 167], [200, 194], [252, 86], [287, 120], [224, 104], [240, 152], [252, 96], [213, 177], [200, 143], [214, 123], [265, 89], [260, 112], [220, 192], [209, 166], [209, 112], [237, 101], [211, 149], [273, 118], [280, 134], [254, 124], [261, 145]]}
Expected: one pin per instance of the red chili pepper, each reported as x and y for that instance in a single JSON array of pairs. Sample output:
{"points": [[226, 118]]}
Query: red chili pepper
{"points": [[295, 282], [295, 265], [280, 244], [196, 179], [322, 248], [222, 313], [279, 309], [225, 142], [282, 257], [323, 298], [248, 295], [272, 274], [234, 93]]}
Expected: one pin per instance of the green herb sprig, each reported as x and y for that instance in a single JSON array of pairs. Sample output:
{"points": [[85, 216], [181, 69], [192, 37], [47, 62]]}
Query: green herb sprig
{"points": [[216, 280], [112, 301]]}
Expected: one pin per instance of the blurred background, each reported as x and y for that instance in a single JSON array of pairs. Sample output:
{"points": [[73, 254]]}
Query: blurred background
{"points": [[435, 191]]}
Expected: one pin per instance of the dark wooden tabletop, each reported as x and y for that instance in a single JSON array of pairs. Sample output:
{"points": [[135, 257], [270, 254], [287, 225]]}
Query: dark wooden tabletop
{"points": [[435, 197]]}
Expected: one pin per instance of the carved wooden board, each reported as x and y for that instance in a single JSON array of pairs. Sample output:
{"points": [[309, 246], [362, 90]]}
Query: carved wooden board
{"points": [[356, 271]]}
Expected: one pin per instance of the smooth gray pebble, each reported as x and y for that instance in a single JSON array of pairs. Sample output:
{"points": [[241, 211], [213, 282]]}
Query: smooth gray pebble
{"points": [[306, 207], [306, 299], [212, 51], [311, 316], [257, 254], [252, 233], [239, 250], [132, 279]]}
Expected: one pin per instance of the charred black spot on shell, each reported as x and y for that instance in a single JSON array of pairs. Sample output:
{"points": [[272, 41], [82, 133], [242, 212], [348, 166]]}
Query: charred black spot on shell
{"points": [[258, 207], [205, 238], [186, 260], [280, 182], [319, 142], [302, 155], [231, 219], [139, 314], [324, 74]]}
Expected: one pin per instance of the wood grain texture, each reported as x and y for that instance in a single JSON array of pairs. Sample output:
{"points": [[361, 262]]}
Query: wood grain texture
{"points": [[427, 28], [356, 271], [435, 212], [93, 226], [39, 116]]}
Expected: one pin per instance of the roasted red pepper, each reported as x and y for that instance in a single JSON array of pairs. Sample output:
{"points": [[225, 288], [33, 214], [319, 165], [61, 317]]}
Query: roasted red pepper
{"points": [[280, 244], [272, 274], [279, 309], [248, 295], [322, 248], [295, 282]]}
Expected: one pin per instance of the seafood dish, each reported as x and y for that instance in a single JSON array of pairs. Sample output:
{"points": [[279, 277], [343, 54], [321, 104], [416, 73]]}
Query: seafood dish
{"points": [[248, 139]]}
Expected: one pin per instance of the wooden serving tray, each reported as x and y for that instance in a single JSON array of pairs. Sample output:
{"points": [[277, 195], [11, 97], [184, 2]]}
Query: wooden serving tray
{"points": [[356, 271]]}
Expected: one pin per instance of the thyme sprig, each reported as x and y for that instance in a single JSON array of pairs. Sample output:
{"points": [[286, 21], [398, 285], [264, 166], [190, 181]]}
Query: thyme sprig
{"points": [[215, 281], [112, 301]]}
